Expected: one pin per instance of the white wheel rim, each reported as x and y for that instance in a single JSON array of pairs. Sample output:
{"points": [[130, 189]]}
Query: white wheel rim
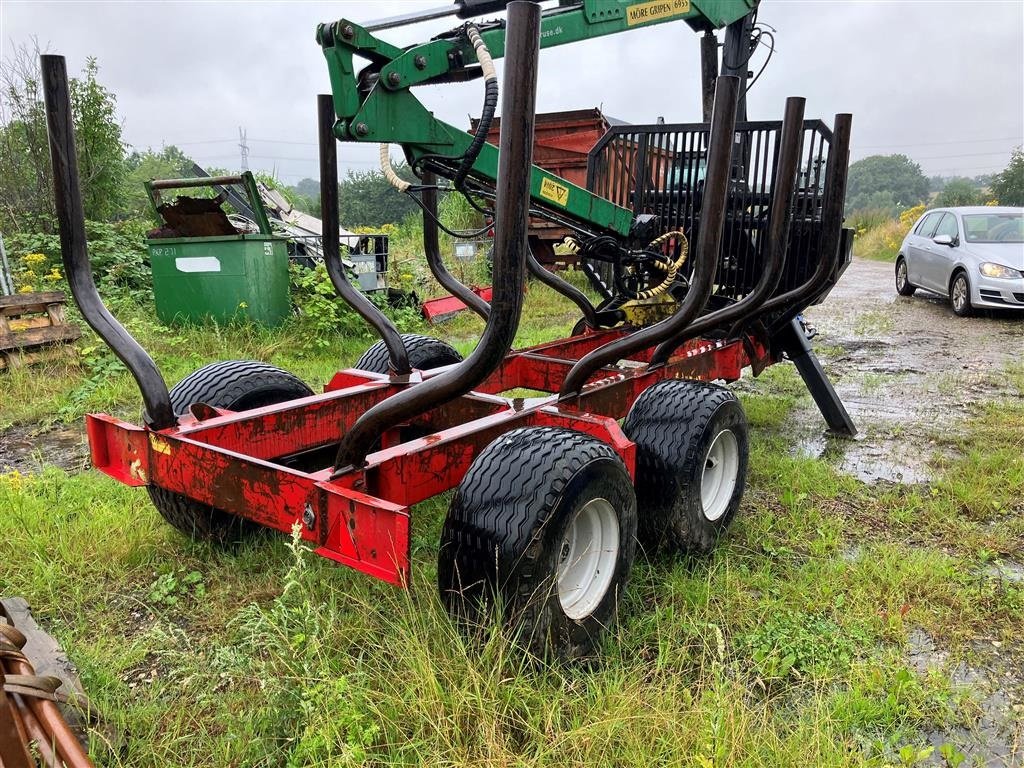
{"points": [[587, 558], [901, 275], [959, 293], [721, 471]]}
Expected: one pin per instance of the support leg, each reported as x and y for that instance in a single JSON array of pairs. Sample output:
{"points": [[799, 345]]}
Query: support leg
{"points": [[791, 340]]}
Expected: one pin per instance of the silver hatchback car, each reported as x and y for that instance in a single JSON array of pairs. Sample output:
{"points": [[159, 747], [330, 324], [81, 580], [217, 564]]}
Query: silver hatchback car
{"points": [[973, 254]]}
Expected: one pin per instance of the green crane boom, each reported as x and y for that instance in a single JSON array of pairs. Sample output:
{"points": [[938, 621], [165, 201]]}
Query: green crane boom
{"points": [[376, 104]]}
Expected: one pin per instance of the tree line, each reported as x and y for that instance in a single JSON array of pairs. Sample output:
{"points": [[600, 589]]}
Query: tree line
{"points": [[894, 183]]}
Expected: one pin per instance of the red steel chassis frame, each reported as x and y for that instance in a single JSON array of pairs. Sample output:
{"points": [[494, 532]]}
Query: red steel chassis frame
{"points": [[361, 518]]}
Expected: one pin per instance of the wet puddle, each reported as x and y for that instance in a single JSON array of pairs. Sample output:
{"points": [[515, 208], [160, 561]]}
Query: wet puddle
{"points": [[909, 372], [29, 449], [995, 681]]}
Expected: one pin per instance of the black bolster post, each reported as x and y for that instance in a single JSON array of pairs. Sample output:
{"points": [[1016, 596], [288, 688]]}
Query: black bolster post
{"points": [[75, 254], [522, 46], [332, 246]]}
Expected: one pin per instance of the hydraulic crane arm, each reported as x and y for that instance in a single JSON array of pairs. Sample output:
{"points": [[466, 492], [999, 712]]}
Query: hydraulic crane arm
{"points": [[377, 104]]}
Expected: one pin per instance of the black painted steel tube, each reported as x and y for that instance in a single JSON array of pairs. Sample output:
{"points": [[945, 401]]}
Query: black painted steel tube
{"points": [[831, 220], [331, 244], [433, 251], [570, 291], [709, 240], [781, 214], [74, 250], [522, 45]]}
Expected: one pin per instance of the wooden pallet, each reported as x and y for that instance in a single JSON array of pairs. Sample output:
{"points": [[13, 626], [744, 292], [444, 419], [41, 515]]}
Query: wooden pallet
{"points": [[33, 328]]}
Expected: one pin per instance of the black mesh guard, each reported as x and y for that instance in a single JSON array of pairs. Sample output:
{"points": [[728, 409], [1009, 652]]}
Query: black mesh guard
{"points": [[659, 169]]}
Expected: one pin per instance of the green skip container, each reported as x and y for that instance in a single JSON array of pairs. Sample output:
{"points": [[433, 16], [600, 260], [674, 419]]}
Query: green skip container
{"points": [[221, 278]]}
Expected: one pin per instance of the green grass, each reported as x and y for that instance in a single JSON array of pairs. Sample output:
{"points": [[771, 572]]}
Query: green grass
{"points": [[881, 241], [786, 647]]}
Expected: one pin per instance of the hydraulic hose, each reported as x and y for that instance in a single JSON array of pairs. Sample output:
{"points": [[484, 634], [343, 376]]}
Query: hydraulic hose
{"points": [[490, 104], [671, 267], [389, 172]]}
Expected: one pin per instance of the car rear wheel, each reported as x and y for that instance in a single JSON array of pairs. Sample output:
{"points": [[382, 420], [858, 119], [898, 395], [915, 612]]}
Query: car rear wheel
{"points": [[903, 286], [960, 295]]}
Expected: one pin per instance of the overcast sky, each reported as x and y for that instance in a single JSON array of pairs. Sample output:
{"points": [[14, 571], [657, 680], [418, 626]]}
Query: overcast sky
{"points": [[942, 82]]}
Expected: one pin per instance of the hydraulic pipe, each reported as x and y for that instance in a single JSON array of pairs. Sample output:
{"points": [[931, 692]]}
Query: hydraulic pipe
{"points": [[836, 172], [780, 216], [433, 252], [331, 244], [510, 227], [709, 240], [567, 289], [75, 253]]}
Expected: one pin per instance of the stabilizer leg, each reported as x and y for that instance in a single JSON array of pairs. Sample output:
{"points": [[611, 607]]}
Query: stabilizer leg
{"points": [[791, 340]]}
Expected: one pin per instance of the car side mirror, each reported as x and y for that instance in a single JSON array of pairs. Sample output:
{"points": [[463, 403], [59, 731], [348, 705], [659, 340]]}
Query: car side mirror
{"points": [[943, 240]]}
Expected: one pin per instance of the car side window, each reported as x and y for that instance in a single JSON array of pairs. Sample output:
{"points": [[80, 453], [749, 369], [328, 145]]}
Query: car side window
{"points": [[947, 226], [928, 224]]}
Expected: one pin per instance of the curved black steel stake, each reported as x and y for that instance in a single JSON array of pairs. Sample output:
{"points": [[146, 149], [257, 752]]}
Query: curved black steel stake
{"points": [[433, 251], [74, 251], [712, 219], [331, 245], [522, 45], [570, 291], [781, 213], [836, 172]]}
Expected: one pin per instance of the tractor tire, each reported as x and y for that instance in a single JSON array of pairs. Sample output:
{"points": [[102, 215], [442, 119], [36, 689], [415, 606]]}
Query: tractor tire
{"points": [[543, 525], [425, 352], [236, 385], [903, 286], [580, 327], [691, 463]]}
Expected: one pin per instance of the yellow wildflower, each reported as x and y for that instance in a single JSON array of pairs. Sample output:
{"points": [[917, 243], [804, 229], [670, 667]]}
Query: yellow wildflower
{"points": [[13, 480]]}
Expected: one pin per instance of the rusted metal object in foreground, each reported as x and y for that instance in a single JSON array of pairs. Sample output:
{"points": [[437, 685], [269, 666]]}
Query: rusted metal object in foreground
{"points": [[31, 724]]}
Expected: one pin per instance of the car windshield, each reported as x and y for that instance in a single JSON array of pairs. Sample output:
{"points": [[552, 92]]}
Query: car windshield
{"points": [[994, 227]]}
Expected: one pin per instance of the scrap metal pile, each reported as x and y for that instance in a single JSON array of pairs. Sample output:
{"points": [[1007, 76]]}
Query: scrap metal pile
{"points": [[33, 729]]}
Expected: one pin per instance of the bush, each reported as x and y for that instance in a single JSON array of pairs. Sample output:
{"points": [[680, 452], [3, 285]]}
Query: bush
{"points": [[866, 219], [118, 252], [881, 242], [911, 215], [324, 316]]}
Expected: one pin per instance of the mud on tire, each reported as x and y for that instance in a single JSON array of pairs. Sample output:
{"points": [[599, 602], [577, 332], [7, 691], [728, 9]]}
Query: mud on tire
{"points": [[539, 514], [691, 463], [236, 385]]}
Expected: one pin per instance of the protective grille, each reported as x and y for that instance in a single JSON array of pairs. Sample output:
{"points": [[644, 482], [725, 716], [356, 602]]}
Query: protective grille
{"points": [[659, 169]]}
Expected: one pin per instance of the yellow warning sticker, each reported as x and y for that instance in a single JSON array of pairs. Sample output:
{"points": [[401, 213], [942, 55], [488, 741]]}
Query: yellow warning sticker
{"points": [[553, 191], [159, 444], [644, 13]]}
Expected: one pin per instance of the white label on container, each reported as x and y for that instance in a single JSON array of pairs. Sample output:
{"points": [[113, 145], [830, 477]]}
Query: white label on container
{"points": [[198, 264]]}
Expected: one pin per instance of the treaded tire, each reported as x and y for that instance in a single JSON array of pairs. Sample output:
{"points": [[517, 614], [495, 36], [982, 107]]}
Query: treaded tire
{"points": [[502, 541], [674, 424], [903, 286], [236, 385], [965, 309], [425, 352]]}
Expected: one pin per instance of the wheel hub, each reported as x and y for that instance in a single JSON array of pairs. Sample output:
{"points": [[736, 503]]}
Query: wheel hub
{"points": [[959, 293], [721, 471], [587, 558]]}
